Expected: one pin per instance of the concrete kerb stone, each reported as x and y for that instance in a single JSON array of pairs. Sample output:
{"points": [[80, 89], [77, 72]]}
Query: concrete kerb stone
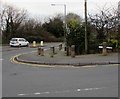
{"points": [[22, 60], [67, 64]]}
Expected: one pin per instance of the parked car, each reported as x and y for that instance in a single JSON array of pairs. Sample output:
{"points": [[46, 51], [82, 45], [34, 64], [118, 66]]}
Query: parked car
{"points": [[18, 42]]}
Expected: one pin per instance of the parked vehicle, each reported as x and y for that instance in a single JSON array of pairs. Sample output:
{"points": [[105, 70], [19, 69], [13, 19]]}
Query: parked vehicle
{"points": [[18, 42]]}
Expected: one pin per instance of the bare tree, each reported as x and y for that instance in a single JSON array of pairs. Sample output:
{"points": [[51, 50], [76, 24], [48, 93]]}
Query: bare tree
{"points": [[11, 20], [2, 12], [105, 23]]}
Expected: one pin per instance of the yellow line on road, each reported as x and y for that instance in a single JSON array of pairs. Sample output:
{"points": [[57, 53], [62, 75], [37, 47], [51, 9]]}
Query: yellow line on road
{"points": [[30, 64], [14, 61]]}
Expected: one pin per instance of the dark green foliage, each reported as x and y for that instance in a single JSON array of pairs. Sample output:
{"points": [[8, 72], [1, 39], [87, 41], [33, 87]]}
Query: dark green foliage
{"points": [[54, 26], [34, 38], [113, 43], [93, 47], [76, 36]]}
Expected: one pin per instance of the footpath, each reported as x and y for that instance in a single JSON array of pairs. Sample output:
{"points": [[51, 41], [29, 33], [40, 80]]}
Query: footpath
{"points": [[60, 58]]}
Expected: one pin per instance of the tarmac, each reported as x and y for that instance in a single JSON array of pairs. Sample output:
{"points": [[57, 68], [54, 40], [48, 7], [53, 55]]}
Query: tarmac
{"points": [[60, 58]]}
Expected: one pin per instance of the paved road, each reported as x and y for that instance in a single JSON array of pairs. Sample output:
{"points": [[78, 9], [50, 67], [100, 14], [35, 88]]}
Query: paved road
{"points": [[20, 80]]}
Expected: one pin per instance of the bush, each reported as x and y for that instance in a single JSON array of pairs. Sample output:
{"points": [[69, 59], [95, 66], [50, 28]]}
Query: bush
{"points": [[93, 48], [34, 38], [46, 38], [113, 43]]}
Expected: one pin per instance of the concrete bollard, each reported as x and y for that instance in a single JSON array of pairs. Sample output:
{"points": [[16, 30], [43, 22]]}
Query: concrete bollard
{"points": [[34, 43], [42, 51], [52, 51], [41, 43], [39, 51], [104, 51], [73, 51], [60, 47]]}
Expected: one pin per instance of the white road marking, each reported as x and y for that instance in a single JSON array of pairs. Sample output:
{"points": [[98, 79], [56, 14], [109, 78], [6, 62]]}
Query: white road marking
{"points": [[86, 89], [78, 89], [21, 94], [37, 93], [45, 93], [64, 91], [1, 59]]}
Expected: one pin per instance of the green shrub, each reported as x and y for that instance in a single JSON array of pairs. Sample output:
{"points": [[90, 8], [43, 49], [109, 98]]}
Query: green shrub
{"points": [[113, 43]]}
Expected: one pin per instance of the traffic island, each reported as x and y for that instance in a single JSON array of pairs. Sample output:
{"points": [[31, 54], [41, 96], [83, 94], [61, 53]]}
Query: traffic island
{"points": [[62, 60]]}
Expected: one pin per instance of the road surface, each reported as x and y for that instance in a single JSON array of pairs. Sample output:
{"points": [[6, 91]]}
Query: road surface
{"points": [[20, 80]]}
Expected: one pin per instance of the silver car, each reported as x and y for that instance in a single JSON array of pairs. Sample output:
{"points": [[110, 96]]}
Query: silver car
{"points": [[18, 42]]}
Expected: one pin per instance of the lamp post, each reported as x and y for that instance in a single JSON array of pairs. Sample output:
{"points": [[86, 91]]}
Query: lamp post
{"points": [[64, 21], [86, 41]]}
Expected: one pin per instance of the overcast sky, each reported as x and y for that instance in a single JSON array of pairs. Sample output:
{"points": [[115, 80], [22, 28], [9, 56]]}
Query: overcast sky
{"points": [[43, 8]]}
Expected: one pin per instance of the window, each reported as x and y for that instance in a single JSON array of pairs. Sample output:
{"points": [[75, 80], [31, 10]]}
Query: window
{"points": [[14, 40], [21, 39]]}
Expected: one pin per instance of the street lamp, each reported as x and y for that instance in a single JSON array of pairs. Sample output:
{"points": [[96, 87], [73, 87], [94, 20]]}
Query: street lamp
{"points": [[64, 20]]}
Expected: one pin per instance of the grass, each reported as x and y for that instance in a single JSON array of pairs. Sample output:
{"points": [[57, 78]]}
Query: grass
{"points": [[104, 55]]}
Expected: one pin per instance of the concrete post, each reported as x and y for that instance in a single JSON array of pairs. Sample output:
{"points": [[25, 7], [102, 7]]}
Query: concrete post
{"points": [[39, 51], [104, 51], [34, 43], [68, 52], [52, 51], [41, 43], [42, 51], [73, 51]]}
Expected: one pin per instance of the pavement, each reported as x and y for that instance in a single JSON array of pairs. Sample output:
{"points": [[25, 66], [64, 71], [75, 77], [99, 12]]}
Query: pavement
{"points": [[61, 59]]}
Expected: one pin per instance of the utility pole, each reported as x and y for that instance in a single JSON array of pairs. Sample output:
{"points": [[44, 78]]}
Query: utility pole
{"points": [[86, 41], [118, 24]]}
